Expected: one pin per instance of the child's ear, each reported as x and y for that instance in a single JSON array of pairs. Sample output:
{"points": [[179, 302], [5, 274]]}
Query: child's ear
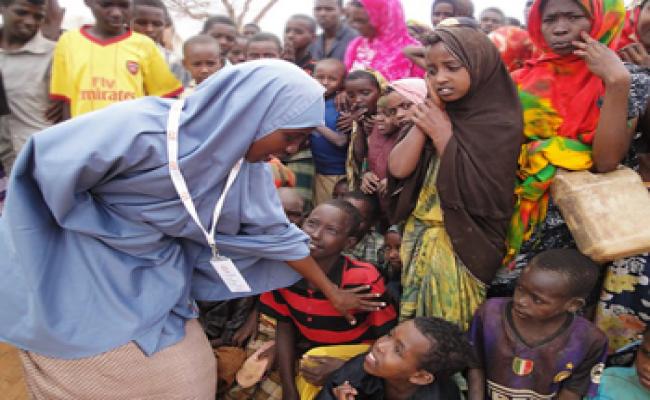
{"points": [[422, 378], [575, 304]]}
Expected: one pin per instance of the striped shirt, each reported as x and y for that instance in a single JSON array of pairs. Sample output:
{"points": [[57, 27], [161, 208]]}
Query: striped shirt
{"points": [[318, 322]]}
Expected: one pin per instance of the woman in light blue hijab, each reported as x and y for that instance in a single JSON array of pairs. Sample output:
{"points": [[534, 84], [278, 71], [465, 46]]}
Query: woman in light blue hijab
{"points": [[99, 250]]}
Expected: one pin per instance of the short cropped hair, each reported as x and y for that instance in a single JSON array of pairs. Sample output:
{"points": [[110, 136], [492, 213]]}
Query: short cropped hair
{"points": [[265, 37], [361, 74], [306, 18], [200, 39], [217, 20], [371, 201], [495, 10], [354, 218], [450, 351], [580, 271], [7, 3]]}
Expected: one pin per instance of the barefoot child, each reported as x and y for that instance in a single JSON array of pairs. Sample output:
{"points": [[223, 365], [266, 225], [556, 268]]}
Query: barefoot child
{"points": [[533, 345], [414, 362], [329, 147]]}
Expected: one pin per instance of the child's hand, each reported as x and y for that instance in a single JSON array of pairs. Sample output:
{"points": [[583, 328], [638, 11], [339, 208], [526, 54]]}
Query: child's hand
{"points": [[601, 60], [347, 300], [247, 331], [635, 53], [383, 186], [316, 369], [342, 102], [54, 112], [345, 392], [432, 120], [344, 123], [369, 183]]}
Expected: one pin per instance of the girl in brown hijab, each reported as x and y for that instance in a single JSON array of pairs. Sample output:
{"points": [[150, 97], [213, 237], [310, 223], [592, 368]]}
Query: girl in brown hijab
{"points": [[454, 239]]}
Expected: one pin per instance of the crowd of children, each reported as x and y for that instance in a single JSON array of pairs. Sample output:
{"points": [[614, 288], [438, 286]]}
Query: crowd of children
{"points": [[425, 191]]}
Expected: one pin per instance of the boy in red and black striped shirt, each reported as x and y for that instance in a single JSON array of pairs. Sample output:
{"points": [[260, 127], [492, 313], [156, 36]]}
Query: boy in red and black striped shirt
{"points": [[306, 319]]}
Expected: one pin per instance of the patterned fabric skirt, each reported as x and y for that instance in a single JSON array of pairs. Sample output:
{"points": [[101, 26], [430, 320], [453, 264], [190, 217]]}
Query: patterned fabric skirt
{"points": [[435, 281], [623, 311], [184, 371]]}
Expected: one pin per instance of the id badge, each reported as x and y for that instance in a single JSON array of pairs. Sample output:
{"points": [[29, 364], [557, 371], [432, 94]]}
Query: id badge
{"points": [[230, 274]]}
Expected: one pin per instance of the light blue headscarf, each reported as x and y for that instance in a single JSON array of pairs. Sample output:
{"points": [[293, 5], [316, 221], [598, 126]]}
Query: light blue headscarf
{"points": [[96, 247]]}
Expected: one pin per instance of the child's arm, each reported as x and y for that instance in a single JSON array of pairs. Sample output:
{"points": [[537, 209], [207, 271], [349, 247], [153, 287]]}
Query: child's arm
{"points": [[404, 157], [476, 384], [285, 339], [612, 137], [416, 55], [337, 139]]}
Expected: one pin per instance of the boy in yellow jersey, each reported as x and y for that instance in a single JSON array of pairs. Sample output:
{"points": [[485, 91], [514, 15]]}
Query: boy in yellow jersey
{"points": [[98, 65]]}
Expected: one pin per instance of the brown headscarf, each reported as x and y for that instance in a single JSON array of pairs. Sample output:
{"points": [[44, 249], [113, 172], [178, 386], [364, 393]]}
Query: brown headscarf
{"points": [[477, 170]]}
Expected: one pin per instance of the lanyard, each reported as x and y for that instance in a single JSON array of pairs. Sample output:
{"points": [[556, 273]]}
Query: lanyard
{"points": [[179, 181]]}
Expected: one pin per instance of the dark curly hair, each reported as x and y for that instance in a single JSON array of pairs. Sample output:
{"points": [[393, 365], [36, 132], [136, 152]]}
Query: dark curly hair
{"points": [[450, 351]]}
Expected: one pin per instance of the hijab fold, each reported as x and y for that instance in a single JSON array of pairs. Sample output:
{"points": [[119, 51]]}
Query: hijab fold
{"points": [[383, 52], [560, 99], [477, 170], [97, 248]]}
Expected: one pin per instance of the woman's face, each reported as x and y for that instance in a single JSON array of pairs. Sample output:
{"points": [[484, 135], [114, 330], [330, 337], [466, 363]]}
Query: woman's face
{"points": [[643, 29], [562, 23], [280, 142], [359, 20], [447, 76]]}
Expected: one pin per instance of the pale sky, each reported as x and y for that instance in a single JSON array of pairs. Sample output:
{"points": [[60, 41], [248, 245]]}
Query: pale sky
{"points": [[77, 13]]}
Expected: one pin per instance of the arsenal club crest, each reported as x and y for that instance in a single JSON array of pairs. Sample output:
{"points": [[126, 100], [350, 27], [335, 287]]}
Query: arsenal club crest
{"points": [[522, 367], [133, 67]]}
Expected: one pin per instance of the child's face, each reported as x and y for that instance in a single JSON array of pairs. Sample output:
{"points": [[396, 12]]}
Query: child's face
{"points": [[292, 205], [643, 30], [281, 142], [643, 362], [366, 215], [237, 53], [262, 49], [298, 33], [21, 20], [398, 108], [225, 35], [440, 12], [111, 16], [562, 23], [340, 189], [328, 228], [392, 245], [446, 74], [202, 60], [150, 21], [491, 20], [359, 20], [362, 94], [396, 356], [383, 122], [330, 75], [541, 296]]}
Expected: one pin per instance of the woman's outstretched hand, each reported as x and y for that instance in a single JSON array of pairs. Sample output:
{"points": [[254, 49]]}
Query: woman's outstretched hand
{"points": [[348, 300]]}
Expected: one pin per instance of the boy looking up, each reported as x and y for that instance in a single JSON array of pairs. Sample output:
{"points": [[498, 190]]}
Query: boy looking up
{"points": [[305, 319], [101, 64], [299, 33], [25, 61], [263, 45], [414, 362], [533, 345], [329, 148], [201, 58]]}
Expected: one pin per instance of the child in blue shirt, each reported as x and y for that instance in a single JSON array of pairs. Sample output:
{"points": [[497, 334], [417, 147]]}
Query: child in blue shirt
{"points": [[329, 148]]}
